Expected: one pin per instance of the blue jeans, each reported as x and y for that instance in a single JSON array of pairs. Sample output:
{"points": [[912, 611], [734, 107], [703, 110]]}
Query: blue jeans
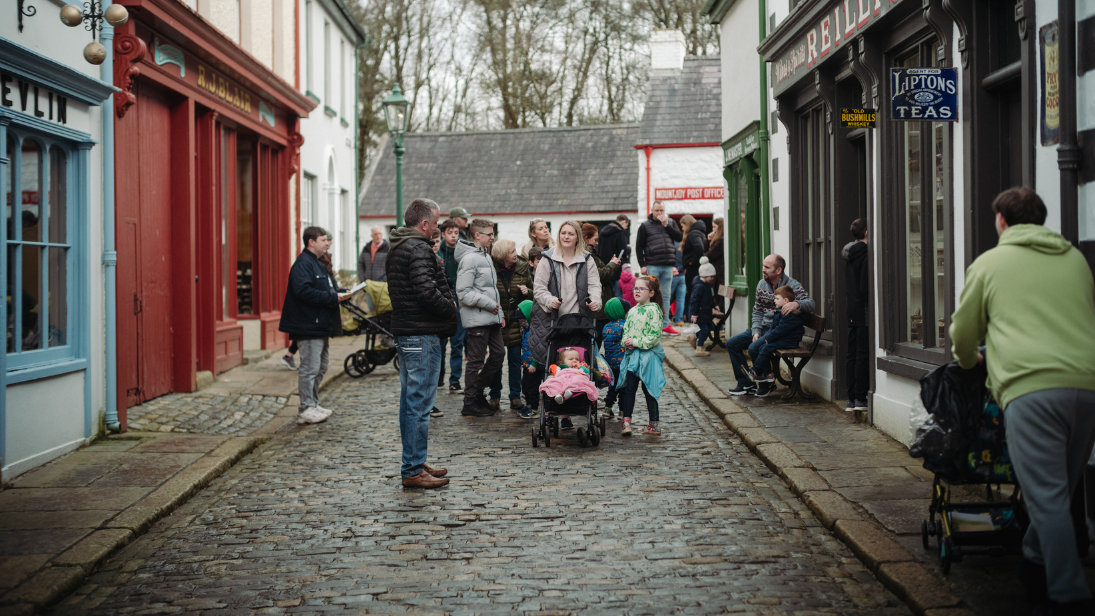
{"points": [[680, 294], [456, 358], [513, 358], [736, 346], [619, 293], [703, 333], [419, 366], [664, 274], [763, 359]]}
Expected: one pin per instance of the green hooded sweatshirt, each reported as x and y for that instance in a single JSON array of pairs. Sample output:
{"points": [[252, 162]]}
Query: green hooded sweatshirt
{"points": [[1032, 300]]}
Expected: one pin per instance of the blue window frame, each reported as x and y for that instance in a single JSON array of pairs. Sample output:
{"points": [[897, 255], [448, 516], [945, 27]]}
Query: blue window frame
{"points": [[43, 184]]}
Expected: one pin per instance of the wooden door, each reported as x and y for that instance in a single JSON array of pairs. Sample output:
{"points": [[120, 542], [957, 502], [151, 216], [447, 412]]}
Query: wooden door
{"points": [[143, 226]]}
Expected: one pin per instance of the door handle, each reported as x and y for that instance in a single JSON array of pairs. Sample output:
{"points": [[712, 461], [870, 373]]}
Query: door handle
{"points": [[138, 305]]}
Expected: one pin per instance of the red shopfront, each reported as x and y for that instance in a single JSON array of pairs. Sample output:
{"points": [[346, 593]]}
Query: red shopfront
{"points": [[207, 143]]}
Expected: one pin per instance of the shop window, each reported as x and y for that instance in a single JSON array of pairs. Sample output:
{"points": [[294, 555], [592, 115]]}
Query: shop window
{"points": [[245, 217], [38, 250], [811, 248], [921, 273]]}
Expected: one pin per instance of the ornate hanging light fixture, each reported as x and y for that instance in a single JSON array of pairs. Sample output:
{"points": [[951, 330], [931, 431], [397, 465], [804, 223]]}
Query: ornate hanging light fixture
{"points": [[94, 16]]}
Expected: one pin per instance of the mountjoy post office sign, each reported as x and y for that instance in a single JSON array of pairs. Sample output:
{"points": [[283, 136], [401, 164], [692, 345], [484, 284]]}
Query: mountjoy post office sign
{"points": [[924, 94]]}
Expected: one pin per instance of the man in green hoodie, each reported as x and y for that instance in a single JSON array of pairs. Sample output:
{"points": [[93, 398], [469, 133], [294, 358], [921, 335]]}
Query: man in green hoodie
{"points": [[1032, 300]]}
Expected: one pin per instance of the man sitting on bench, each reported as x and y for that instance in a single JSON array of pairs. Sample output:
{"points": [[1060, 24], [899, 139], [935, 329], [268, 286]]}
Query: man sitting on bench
{"points": [[763, 310]]}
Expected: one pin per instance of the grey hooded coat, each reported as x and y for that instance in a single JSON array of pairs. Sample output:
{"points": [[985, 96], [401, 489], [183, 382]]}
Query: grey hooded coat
{"points": [[476, 287]]}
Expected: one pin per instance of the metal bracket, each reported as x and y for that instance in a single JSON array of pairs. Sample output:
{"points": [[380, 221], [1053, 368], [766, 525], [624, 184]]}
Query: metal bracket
{"points": [[29, 11]]}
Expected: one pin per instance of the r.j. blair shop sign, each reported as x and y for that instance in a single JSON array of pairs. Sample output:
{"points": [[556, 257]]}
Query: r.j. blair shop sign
{"points": [[832, 30]]}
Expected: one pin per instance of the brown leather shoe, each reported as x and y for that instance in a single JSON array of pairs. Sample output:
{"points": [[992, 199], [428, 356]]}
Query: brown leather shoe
{"points": [[424, 480], [436, 472]]}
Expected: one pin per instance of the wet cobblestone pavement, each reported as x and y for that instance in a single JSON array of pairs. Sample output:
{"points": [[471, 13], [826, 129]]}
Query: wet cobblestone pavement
{"points": [[315, 522], [234, 414]]}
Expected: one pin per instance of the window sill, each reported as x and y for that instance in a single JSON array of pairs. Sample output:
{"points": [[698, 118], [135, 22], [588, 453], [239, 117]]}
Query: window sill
{"points": [[904, 367], [311, 95], [344, 123], [41, 371], [330, 113]]}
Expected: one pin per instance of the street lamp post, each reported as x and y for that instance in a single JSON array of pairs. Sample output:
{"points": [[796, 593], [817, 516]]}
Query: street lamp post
{"points": [[395, 115]]}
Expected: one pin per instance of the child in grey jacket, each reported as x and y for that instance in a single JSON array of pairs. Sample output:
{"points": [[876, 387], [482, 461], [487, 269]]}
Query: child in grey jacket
{"points": [[481, 314]]}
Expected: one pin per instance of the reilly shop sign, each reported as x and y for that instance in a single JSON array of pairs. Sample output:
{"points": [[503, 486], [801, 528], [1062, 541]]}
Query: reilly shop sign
{"points": [[832, 30]]}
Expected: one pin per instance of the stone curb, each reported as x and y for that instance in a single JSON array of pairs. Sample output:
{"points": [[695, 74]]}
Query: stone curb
{"points": [[893, 565]]}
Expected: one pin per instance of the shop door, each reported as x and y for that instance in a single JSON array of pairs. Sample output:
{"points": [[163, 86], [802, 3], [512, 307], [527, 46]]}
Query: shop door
{"points": [[143, 206]]}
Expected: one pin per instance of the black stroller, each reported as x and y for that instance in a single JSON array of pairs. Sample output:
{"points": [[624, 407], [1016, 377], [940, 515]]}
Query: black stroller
{"points": [[571, 330], [968, 447], [370, 313]]}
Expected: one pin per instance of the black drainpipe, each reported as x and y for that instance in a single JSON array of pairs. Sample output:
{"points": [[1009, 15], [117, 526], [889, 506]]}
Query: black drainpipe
{"points": [[1069, 154]]}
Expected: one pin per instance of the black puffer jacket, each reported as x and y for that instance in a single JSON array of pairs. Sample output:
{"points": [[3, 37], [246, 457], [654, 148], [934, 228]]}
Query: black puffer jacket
{"points": [[422, 302], [311, 303], [655, 244], [614, 240], [695, 247], [855, 269]]}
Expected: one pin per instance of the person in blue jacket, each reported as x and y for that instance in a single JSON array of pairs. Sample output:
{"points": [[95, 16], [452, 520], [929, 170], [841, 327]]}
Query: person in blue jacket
{"points": [[786, 333], [701, 305], [310, 316]]}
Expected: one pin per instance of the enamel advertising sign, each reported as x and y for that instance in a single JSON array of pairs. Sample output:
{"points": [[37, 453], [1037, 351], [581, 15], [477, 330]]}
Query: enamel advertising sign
{"points": [[929, 94]]}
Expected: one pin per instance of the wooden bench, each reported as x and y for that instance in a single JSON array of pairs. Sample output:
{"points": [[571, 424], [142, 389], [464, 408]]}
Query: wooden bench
{"points": [[720, 323], [789, 356]]}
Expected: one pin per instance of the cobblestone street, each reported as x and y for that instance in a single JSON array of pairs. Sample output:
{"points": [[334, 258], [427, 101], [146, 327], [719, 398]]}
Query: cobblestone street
{"points": [[315, 521]]}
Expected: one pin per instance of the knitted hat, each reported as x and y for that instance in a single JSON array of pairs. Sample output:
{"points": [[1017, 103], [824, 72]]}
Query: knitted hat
{"points": [[615, 309], [526, 308], [706, 269]]}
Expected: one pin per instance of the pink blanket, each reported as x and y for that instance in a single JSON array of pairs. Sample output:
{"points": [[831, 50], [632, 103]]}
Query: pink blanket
{"points": [[573, 379]]}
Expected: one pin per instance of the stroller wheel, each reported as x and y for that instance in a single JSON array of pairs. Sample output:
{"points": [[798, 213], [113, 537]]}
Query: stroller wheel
{"points": [[395, 362], [555, 427], [581, 434], [594, 436], [362, 363], [547, 438], [350, 366], [924, 534], [535, 441], [603, 431]]}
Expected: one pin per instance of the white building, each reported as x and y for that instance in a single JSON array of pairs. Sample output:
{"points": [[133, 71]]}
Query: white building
{"points": [[925, 187], [52, 265], [329, 38]]}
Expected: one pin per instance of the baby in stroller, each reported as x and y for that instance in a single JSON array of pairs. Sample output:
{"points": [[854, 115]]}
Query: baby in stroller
{"points": [[569, 376]]}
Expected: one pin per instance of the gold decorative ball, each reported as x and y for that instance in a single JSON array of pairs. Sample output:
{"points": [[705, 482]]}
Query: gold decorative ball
{"points": [[95, 53], [72, 15], [116, 15]]}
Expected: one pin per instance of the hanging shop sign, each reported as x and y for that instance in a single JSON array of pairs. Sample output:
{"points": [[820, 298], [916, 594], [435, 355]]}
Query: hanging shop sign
{"points": [[832, 30], [924, 94], [1051, 93], [680, 194], [858, 118]]}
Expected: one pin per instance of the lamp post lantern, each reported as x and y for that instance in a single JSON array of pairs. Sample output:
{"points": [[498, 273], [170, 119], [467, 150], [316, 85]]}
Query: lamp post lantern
{"points": [[395, 115]]}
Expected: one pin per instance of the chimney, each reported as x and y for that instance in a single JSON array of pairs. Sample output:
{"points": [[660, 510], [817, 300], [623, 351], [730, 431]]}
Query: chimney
{"points": [[666, 50]]}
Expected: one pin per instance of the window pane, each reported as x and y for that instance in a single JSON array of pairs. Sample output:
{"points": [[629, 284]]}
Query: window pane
{"points": [[743, 194], [32, 298], [8, 203], [244, 220], [58, 296], [30, 174], [58, 196], [913, 288]]}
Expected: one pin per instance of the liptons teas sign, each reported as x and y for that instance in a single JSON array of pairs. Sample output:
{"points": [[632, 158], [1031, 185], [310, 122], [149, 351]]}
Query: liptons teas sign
{"points": [[832, 30]]}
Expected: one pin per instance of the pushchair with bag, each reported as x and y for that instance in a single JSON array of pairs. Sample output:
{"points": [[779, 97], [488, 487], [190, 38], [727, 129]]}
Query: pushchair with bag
{"points": [[570, 330], [369, 313], [963, 443]]}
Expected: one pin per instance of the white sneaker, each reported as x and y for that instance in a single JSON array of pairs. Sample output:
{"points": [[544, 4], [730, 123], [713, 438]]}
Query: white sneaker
{"points": [[326, 412], [311, 415]]}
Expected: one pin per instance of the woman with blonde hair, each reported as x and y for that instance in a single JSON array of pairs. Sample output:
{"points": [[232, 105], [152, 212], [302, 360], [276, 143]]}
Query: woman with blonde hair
{"points": [[538, 235], [566, 282], [514, 286]]}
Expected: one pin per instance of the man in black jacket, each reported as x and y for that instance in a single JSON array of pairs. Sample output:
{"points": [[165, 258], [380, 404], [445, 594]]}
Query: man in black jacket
{"points": [[855, 268], [423, 311], [615, 241], [310, 316], [656, 248]]}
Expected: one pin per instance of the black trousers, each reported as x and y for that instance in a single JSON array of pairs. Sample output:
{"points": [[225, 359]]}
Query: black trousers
{"points": [[481, 365], [627, 400], [530, 387], [858, 362]]}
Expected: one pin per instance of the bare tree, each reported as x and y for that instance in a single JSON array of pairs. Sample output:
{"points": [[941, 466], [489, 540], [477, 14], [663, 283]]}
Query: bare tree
{"points": [[701, 38]]}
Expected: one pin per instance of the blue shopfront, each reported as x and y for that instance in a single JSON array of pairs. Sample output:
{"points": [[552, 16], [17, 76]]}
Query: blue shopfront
{"points": [[52, 181]]}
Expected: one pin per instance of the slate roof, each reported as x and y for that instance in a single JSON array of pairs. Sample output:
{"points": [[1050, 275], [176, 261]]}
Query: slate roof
{"points": [[573, 169], [684, 106]]}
